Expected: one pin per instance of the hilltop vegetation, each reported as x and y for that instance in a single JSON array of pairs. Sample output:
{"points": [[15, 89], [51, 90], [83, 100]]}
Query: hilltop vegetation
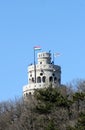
{"points": [[49, 109]]}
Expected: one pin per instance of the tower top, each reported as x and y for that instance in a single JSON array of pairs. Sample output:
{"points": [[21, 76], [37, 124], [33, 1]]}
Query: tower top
{"points": [[44, 55], [44, 58]]}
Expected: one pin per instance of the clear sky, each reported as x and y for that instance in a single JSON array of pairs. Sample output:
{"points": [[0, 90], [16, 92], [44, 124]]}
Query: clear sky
{"points": [[56, 25]]}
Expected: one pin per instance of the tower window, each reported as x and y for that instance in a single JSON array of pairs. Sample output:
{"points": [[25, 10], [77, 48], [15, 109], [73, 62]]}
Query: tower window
{"points": [[50, 79], [55, 79], [32, 79], [29, 93], [40, 62], [41, 74], [38, 79], [53, 74], [26, 94], [43, 79], [59, 80]]}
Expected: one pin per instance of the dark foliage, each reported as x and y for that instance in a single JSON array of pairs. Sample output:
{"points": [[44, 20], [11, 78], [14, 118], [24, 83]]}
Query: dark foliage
{"points": [[48, 109]]}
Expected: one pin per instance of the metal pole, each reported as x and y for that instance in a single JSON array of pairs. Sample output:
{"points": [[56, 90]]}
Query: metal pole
{"points": [[53, 58], [34, 67]]}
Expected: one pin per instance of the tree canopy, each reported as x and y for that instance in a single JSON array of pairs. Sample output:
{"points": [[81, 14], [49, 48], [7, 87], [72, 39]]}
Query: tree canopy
{"points": [[47, 109]]}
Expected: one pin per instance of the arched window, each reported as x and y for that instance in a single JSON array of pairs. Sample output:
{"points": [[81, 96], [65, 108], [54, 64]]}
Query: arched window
{"points": [[50, 79], [38, 79], [55, 79], [26, 94], [32, 79], [59, 80], [29, 93], [43, 79]]}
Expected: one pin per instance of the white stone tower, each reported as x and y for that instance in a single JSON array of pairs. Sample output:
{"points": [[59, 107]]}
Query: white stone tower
{"points": [[42, 74]]}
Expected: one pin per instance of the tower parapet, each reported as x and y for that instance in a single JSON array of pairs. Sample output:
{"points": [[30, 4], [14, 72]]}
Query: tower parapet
{"points": [[46, 73], [44, 58]]}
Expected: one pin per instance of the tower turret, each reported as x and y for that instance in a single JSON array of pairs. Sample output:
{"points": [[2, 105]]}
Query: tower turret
{"points": [[44, 58]]}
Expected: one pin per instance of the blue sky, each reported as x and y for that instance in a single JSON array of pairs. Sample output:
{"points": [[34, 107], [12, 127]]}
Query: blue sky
{"points": [[56, 25]]}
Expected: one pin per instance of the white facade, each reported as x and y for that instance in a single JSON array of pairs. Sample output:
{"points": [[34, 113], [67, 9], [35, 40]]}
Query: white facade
{"points": [[44, 71]]}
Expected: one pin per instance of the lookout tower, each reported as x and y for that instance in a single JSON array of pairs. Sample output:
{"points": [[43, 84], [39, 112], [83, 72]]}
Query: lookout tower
{"points": [[42, 74]]}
